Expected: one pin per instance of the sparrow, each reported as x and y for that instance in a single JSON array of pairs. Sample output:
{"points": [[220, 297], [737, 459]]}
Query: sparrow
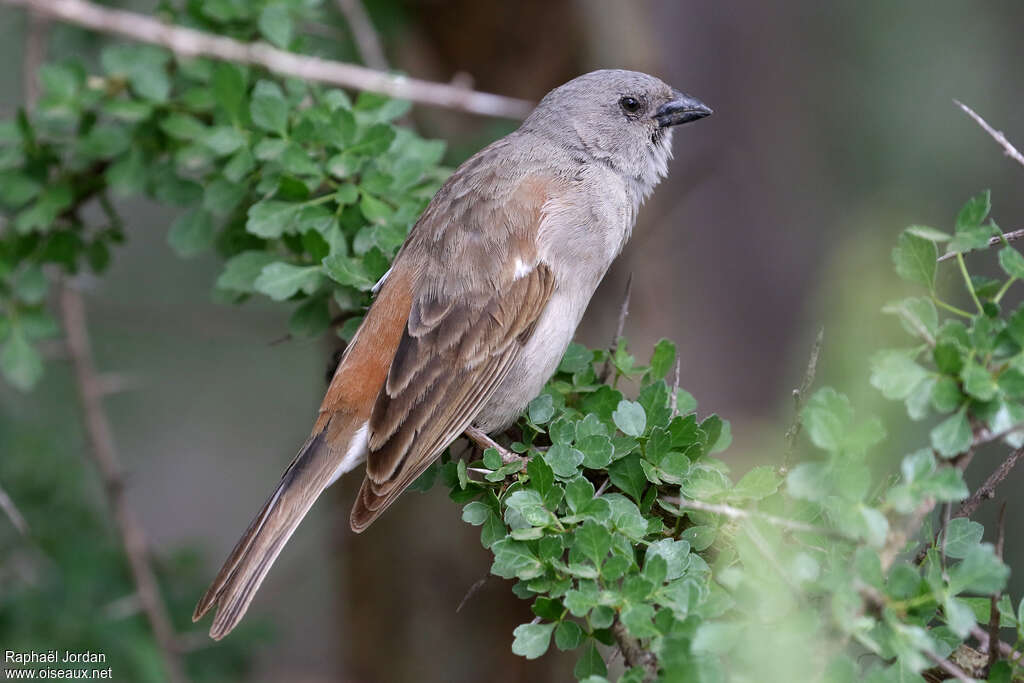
{"points": [[478, 307]]}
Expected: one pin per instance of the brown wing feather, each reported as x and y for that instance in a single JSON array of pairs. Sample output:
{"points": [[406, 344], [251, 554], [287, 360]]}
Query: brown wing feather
{"points": [[447, 387]]}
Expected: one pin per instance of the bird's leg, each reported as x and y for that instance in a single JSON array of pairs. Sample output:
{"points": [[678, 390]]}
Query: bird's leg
{"points": [[483, 441]]}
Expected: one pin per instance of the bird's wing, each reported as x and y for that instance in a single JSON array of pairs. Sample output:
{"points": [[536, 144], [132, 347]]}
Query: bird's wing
{"points": [[466, 327]]}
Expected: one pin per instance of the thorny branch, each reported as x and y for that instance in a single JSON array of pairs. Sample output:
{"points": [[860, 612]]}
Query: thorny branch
{"points": [[988, 489], [189, 42], [1008, 148], [634, 653], [104, 455]]}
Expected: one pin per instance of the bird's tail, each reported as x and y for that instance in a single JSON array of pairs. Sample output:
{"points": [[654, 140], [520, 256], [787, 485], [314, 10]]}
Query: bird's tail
{"points": [[336, 448]]}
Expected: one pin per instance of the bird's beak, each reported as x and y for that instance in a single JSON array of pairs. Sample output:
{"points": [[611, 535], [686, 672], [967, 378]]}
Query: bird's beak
{"points": [[681, 109]]}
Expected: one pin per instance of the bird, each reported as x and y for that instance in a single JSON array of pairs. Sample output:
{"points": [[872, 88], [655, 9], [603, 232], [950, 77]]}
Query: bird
{"points": [[478, 307]]}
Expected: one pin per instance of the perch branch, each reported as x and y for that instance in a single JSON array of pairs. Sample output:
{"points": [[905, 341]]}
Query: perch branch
{"points": [[483, 441], [948, 666], [367, 41], [1008, 149], [189, 42], [104, 455]]}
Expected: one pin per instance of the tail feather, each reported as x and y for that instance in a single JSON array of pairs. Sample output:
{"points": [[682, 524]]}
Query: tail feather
{"points": [[320, 461]]}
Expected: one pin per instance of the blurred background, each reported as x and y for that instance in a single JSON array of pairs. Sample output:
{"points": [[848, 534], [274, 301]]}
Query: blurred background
{"points": [[834, 128]]}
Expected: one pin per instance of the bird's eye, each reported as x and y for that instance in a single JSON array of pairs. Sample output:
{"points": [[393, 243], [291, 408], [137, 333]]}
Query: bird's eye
{"points": [[630, 104]]}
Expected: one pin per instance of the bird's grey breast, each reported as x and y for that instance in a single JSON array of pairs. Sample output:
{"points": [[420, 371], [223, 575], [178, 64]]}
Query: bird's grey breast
{"points": [[582, 230]]}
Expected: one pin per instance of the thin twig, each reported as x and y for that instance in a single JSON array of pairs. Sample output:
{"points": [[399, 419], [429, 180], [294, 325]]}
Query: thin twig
{"points": [[985, 643], [189, 42], [984, 436], [477, 585], [481, 439], [606, 371], [1011, 236], [799, 396], [634, 653], [367, 41], [1008, 149], [899, 535], [740, 513], [988, 489], [104, 455], [993, 612], [12, 512], [948, 666]]}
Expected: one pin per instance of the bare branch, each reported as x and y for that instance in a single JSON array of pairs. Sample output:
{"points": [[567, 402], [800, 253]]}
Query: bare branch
{"points": [[104, 455], [634, 653], [481, 439], [948, 666], [740, 513], [993, 611], [1005, 649], [799, 396], [673, 402], [606, 371], [189, 42], [12, 512], [367, 41], [1011, 236], [988, 489], [1008, 149]]}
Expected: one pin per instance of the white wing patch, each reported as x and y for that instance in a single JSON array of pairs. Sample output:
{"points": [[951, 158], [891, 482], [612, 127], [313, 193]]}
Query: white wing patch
{"points": [[522, 269]]}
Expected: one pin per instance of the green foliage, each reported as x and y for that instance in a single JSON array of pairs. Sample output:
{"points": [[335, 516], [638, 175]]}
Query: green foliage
{"points": [[625, 519], [621, 524], [304, 193]]}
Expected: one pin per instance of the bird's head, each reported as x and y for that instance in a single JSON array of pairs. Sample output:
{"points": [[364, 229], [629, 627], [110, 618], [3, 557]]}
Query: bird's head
{"points": [[622, 118]]}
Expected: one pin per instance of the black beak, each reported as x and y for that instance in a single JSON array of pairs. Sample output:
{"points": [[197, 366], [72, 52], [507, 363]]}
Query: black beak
{"points": [[682, 109]]}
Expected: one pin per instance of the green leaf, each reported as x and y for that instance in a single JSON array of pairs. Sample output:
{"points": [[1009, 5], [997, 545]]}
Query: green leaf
{"points": [[268, 107], [529, 504], [1012, 262], [758, 483], [280, 281], [271, 218], [597, 450], [895, 373], [915, 259], [592, 541], [532, 640], [191, 233], [349, 271], [576, 359], [515, 559], [974, 211], [639, 620], [628, 475], [980, 572], [946, 396], [563, 460], [590, 664], [930, 234], [275, 24], [663, 359], [20, 363], [630, 418], [948, 356], [961, 536], [978, 381], [568, 635], [241, 270], [541, 409], [476, 513], [675, 553], [952, 436]]}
